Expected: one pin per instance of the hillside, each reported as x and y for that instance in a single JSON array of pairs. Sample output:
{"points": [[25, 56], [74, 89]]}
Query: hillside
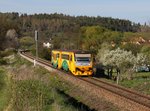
{"points": [[69, 32]]}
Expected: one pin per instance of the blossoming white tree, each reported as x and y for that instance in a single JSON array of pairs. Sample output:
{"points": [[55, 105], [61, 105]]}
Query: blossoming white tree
{"points": [[119, 59]]}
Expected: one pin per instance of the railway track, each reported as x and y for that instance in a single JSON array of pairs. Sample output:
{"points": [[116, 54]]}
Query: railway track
{"points": [[121, 91], [131, 95]]}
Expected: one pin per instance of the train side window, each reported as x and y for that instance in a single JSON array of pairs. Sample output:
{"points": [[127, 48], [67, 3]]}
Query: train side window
{"points": [[65, 56], [54, 56], [71, 58], [57, 55]]}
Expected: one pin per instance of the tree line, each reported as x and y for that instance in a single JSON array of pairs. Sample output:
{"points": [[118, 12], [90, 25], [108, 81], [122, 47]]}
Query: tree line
{"points": [[58, 25]]}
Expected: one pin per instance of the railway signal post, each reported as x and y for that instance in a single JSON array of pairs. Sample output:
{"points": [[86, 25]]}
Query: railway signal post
{"points": [[36, 40]]}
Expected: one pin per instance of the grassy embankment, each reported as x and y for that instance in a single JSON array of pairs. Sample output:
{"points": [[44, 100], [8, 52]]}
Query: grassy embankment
{"points": [[27, 88], [4, 89], [140, 81]]}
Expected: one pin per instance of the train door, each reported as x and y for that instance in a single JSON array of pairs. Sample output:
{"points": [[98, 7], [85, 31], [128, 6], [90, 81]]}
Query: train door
{"points": [[54, 59], [70, 59], [60, 60], [71, 63]]}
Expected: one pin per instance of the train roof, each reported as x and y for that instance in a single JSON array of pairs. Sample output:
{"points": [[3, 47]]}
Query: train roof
{"points": [[75, 51]]}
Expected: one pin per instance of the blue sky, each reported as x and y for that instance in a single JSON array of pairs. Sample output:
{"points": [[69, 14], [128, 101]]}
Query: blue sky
{"points": [[134, 10]]}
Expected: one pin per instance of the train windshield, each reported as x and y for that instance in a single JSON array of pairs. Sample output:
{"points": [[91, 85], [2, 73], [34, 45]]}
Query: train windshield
{"points": [[83, 57]]}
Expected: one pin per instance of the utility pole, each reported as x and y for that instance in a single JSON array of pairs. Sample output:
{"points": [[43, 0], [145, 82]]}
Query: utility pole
{"points": [[36, 40]]}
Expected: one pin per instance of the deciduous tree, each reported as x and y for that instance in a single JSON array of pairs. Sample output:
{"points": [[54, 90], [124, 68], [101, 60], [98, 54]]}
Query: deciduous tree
{"points": [[120, 59]]}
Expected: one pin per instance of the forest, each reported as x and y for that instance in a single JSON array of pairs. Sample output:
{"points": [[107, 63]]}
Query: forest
{"points": [[59, 26]]}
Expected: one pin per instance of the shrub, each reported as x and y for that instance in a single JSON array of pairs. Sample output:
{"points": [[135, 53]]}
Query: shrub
{"points": [[26, 42], [3, 62], [46, 54], [7, 52]]}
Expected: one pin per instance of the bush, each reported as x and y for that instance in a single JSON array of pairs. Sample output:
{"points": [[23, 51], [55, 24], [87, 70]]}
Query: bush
{"points": [[7, 52], [3, 62], [46, 54], [26, 42]]}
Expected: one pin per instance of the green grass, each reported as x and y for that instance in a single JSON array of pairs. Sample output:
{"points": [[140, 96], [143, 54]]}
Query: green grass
{"points": [[140, 82], [139, 75], [40, 95], [4, 89], [20, 61], [4, 99]]}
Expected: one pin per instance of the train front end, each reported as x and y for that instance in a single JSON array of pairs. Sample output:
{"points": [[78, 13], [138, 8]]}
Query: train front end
{"points": [[83, 64]]}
